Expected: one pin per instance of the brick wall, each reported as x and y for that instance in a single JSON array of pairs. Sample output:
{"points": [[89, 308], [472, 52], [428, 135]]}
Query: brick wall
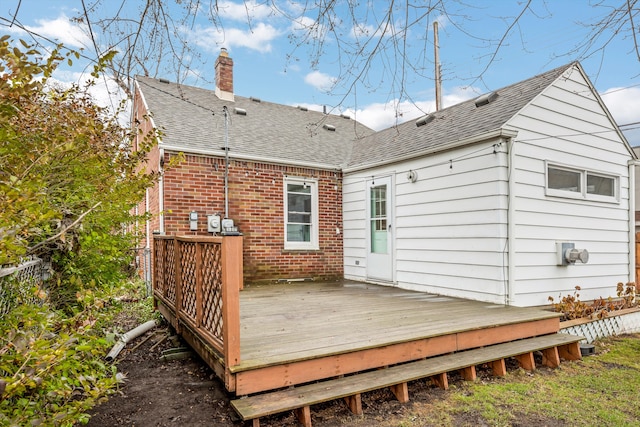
{"points": [[256, 205]]}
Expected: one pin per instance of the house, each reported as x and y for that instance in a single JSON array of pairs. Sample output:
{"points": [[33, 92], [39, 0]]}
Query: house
{"points": [[512, 197], [284, 182]]}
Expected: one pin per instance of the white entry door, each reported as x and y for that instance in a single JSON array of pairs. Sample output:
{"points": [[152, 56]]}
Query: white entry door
{"points": [[380, 230]]}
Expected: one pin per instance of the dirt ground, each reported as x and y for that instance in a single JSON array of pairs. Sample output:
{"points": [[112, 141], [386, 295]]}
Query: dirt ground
{"points": [[186, 393]]}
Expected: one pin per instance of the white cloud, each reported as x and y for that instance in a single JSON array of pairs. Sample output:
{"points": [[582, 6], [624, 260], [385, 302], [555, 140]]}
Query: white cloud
{"points": [[62, 30], [259, 37], [244, 11], [624, 105], [320, 81], [380, 116]]}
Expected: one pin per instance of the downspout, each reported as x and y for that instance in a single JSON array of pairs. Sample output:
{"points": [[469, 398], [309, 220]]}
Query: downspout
{"points": [[148, 222], [226, 161], [161, 189], [511, 228], [632, 219]]}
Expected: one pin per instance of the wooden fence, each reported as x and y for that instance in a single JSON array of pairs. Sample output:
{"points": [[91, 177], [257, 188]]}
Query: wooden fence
{"points": [[198, 279]]}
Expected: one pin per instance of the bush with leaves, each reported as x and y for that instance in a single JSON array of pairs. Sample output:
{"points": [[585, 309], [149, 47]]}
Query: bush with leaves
{"points": [[51, 369], [68, 176]]}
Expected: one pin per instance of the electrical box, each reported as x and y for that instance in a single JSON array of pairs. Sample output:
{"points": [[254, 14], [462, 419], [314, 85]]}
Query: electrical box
{"points": [[193, 221], [228, 228], [213, 223], [567, 254]]}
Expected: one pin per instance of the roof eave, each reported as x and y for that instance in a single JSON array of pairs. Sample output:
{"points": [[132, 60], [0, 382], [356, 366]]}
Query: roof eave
{"points": [[251, 158], [497, 133]]}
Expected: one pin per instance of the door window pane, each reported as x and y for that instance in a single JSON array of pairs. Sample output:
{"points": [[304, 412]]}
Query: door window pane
{"points": [[378, 196]]}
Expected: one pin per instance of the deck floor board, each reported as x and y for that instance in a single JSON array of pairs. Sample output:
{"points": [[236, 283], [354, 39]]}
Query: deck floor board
{"points": [[294, 321]]}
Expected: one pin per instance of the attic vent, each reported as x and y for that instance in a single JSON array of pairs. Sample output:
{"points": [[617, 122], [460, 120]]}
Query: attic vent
{"points": [[301, 108], [255, 99], [486, 98], [163, 81], [331, 128], [345, 116], [425, 119], [240, 111]]}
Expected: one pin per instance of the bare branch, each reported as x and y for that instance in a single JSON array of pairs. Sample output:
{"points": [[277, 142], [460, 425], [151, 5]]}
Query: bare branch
{"points": [[69, 227]]}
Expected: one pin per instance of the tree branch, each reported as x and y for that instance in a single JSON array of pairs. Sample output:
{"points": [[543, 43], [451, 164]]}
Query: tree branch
{"points": [[73, 224]]}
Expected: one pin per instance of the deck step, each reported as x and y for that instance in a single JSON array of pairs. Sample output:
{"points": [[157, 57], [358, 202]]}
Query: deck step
{"points": [[553, 346]]}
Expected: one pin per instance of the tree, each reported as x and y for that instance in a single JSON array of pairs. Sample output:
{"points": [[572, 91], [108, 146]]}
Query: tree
{"points": [[68, 178], [371, 39]]}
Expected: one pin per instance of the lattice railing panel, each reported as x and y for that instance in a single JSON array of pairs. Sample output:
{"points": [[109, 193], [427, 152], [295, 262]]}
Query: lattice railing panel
{"points": [[609, 326], [170, 272], [197, 280], [188, 265], [159, 256], [211, 270]]}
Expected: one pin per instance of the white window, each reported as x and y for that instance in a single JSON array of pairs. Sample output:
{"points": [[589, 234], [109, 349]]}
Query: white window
{"points": [[581, 184], [301, 214]]}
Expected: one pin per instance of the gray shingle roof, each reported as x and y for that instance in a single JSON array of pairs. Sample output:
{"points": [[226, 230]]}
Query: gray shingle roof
{"points": [[192, 119], [456, 123]]}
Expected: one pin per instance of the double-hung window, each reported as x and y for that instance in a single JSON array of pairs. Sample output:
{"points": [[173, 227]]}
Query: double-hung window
{"points": [[301, 214], [576, 183]]}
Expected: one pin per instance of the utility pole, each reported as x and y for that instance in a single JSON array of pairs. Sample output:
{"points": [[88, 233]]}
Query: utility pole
{"points": [[438, 77]]}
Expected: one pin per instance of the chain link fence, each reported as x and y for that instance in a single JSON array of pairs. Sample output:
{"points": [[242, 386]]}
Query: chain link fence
{"points": [[18, 284]]}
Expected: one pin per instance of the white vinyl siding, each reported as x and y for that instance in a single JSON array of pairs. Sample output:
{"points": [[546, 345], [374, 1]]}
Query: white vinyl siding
{"points": [[566, 128], [450, 225]]}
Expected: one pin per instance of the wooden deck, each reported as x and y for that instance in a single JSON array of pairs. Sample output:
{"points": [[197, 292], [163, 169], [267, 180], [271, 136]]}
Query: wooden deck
{"points": [[330, 340], [294, 333]]}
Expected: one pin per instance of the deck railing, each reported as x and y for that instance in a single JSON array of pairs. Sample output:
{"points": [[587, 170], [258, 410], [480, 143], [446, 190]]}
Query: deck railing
{"points": [[199, 279]]}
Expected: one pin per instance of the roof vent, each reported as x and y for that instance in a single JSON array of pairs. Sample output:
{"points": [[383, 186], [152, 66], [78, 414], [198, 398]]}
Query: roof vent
{"points": [[240, 111], [301, 108], [345, 116], [424, 120], [331, 128], [163, 81], [255, 99], [486, 99]]}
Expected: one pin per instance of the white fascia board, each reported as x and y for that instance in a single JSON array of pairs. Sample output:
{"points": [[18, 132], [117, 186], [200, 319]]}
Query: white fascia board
{"points": [[250, 158], [498, 133]]}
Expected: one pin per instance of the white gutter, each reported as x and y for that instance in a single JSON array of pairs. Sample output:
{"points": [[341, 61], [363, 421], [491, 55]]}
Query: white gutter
{"points": [[498, 133], [632, 218], [251, 158]]}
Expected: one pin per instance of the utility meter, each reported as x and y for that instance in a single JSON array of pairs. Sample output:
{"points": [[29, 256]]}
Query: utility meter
{"points": [[193, 221], [213, 223]]}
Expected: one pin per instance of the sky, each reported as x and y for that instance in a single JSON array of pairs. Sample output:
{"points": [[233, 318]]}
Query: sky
{"points": [[270, 64]]}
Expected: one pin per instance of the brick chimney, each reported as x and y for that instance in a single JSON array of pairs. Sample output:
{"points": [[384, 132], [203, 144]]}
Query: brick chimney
{"points": [[224, 76]]}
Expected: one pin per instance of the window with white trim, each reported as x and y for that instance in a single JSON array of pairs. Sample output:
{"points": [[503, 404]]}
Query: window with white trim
{"points": [[301, 214], [575, 183]]}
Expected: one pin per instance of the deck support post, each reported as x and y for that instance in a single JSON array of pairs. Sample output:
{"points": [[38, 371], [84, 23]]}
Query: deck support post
{"points": [[498, 367], [256, 422], [354, 403], [441, 380], [231, 285], [468, 373], [550, 357], [570, 351], [401, 392], [304, 416], [526, 361]]}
